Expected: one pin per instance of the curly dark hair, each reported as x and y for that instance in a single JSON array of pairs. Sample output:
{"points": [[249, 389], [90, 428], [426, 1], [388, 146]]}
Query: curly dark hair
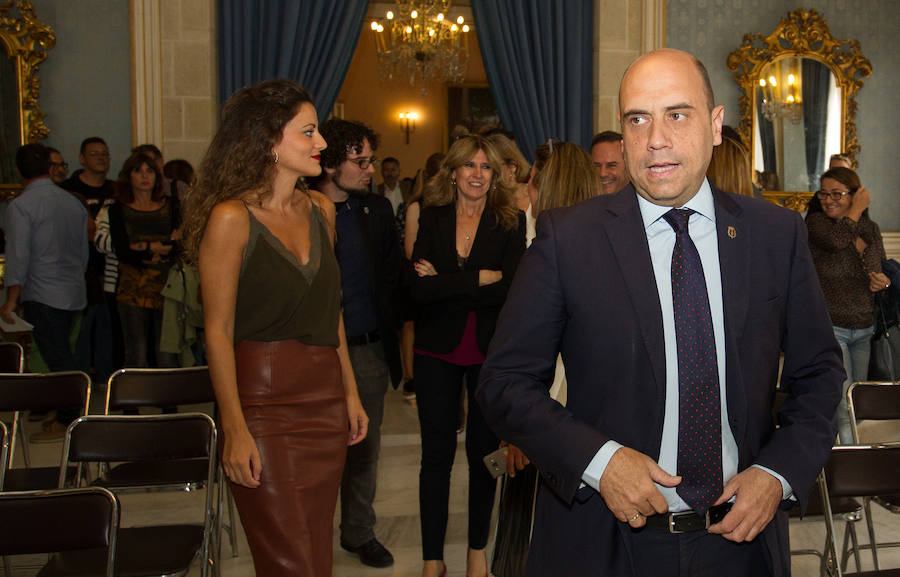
{"points": [[239, 159], [124, 191], [344, 137]]}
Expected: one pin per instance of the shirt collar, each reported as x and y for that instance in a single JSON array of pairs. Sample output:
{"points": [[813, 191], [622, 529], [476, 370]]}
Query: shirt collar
{"points": [[701, 203]]}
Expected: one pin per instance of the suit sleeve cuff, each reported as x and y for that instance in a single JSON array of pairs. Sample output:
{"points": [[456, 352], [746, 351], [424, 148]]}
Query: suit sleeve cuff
{"points": [[786, 491], [597, 466]]}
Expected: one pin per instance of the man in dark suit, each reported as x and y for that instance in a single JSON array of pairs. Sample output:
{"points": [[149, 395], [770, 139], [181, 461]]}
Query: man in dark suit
{"points": [[666, 459], [392, 188]]}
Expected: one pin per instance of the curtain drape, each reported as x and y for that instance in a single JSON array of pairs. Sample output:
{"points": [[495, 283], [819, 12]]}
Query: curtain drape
{"points": [[538, 55], [816, 78], [308, 41]]}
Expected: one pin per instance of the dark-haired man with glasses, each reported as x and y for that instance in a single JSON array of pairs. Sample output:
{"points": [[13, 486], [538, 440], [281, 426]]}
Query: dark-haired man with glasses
{"points": [[368, 251]]}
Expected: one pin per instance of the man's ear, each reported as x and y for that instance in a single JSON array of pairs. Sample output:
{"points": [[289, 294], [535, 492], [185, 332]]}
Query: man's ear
{"points": [[718, 116]]}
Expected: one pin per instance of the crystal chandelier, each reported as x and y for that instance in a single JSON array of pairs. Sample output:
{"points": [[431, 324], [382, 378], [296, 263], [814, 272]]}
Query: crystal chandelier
{"points": [[417, 41], [782, 98]]}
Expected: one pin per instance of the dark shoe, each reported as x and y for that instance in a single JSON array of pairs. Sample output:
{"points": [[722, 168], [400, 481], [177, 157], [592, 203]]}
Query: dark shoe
{"points": [[409, 389], [371, 553]]}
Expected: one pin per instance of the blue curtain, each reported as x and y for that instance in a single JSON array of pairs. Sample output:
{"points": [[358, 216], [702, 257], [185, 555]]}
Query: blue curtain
{"points": [[309, 41], [538, 55]]}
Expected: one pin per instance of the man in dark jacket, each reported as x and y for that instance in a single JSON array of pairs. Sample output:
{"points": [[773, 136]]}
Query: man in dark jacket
{"points": [[368, 251]]}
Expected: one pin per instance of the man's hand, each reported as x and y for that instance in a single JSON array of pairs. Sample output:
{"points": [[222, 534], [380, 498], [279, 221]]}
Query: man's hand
{"points": [[627, 486], [758, 495]]}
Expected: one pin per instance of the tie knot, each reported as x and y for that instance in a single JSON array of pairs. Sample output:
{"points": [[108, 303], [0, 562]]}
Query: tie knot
{"points": [[678, 219]]}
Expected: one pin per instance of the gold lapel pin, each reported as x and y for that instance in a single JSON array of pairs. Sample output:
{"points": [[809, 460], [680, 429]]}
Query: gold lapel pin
{"points": [[731, 232]]}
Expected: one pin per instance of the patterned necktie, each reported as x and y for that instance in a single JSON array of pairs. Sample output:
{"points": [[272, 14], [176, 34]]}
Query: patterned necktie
{"points": [[699, 409]]}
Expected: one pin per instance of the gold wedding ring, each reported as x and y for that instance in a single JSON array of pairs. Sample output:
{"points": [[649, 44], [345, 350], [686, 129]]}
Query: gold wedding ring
{"points": [[635, 518]]}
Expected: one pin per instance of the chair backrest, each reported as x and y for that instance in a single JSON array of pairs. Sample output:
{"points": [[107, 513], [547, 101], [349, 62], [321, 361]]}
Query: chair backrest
{"points": [[85, 518], [863, 470], [872, 400], [139, 438], [4, 452], [12, 357], [136, 388], [44, 392]]}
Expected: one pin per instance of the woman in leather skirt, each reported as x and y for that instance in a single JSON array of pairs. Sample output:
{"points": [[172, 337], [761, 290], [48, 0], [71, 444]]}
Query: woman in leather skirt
{"points": [[270, 286]]}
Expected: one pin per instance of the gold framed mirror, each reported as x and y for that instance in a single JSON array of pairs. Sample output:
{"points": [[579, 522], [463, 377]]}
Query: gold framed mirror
{"points": [[26, 41], [798, 104]]}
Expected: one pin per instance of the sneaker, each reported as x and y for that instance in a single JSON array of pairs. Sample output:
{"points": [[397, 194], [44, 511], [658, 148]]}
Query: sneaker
{"points": [[52, 433], [371, 553], [409, 389]]}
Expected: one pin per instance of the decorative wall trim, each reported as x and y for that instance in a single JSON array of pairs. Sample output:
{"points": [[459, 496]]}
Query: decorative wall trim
{"points": [[654, 20], [146, 72], [891, 242]]}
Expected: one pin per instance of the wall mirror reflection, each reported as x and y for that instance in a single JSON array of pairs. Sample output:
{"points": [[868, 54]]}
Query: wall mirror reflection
{"points": [[798, 107]]}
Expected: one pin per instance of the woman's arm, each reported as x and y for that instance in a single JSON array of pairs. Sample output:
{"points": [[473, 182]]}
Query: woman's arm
{"points": [[495, 293], [359, 421], [220, 256], [411, 228], [432, 280], [831, 235]]}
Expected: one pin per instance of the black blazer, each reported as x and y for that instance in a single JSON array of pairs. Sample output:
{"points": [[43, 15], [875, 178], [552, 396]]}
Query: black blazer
{"points": [[586, 289], [446, 299], [385, 264]]}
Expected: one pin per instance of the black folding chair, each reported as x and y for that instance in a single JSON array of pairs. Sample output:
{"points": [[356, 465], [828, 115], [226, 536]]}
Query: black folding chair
{"points": [[156, 549], [85, 520], [845, 509], [12, 357], [38, 392], [136, 389], [4, 452], [861, 471], [875, 401]]}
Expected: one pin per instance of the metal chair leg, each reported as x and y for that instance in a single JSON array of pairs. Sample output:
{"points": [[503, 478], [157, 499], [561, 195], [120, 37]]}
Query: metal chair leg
{"points": [[867, 505], [232, 533]]}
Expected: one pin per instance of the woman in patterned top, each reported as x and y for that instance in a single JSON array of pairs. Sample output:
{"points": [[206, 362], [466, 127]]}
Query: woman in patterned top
{"points": [[847, 250]]}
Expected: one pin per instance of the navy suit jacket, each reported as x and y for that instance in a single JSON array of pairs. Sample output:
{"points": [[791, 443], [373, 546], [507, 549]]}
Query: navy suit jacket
{"points": [[586, 288]]}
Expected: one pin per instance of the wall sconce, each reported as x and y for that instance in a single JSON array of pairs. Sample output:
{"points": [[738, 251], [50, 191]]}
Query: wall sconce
{"points": [[408, 123]]}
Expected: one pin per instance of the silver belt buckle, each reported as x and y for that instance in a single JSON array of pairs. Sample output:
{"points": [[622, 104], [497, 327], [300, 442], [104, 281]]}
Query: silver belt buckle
{"points": [[674, 516]]}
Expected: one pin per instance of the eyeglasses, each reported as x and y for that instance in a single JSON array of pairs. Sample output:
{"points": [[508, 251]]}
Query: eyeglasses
{"points": [[365, 162], [62, 165], [834, 195]]}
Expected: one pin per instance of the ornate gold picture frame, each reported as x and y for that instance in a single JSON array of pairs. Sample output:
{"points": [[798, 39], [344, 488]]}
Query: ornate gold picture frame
{"points": [[801, 34], [26, 41]]}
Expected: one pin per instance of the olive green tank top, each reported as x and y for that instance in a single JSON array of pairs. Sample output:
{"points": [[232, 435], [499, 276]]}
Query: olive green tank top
{"points": [[278, 298]]}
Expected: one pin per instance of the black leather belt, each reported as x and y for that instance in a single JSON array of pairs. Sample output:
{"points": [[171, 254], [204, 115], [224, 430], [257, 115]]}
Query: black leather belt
{"points": [[688, 520], [364, 339]]}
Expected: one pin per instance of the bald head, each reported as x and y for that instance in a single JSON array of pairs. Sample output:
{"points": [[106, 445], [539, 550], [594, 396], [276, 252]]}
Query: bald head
{"points": [[676, 54]]}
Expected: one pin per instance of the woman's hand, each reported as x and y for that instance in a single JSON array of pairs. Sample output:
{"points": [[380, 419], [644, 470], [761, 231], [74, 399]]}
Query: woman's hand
{"points": [[486, 277], [241, 460], [424, 268], [861, 199], [359, 421], [515, 459], [878, 281]]}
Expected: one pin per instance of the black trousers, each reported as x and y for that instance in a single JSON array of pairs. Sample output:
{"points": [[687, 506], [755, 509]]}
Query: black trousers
{"points": [[438, 386]]}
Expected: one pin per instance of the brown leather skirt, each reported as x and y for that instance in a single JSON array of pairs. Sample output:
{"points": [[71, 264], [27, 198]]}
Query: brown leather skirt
{"points": [[294, 404]]}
